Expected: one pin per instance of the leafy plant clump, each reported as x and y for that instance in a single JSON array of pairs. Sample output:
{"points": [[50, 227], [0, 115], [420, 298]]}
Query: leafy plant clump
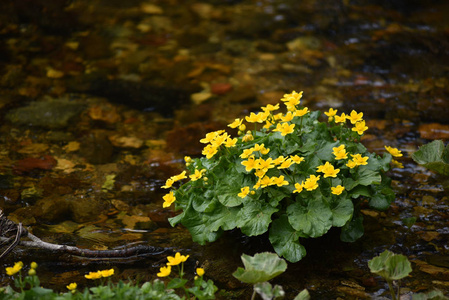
{"points": [[290, 174]]}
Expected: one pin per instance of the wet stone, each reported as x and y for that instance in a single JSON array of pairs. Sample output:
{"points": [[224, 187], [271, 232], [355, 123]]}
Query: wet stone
{"points": [[53, 114], [96, 148]]}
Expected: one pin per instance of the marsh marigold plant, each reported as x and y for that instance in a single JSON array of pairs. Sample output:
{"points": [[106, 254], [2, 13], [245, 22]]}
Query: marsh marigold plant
{"points": [[294, 175]]}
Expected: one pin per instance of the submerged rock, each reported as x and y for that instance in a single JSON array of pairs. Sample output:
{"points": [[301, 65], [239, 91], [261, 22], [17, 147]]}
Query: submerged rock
{"points": [[52, 114]]}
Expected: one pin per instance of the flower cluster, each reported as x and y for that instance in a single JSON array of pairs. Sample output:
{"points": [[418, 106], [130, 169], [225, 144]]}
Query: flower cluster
{"points": [[291, 164], [100, 274], [15, 269]]}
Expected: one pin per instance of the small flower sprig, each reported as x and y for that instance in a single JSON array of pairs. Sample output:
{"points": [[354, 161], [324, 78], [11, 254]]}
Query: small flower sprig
{"points": [[32, 280], [292, 175], [201, 289]]}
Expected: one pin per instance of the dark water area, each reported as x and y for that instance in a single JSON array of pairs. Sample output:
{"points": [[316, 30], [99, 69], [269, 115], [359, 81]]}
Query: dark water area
{"points": [[101, 100]]}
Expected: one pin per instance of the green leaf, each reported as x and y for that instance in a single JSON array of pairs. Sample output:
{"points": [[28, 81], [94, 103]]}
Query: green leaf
{"points": [[432, 295], [260, 267], [255, 217], [409, 222], [325, 150], [433, 156], [342, 210], [303, 295], [390, 266], [285, 240], [313, 219], [268, 292], [382, 199], [367, 176], [353, 230], [198, 227], [176, 283]]}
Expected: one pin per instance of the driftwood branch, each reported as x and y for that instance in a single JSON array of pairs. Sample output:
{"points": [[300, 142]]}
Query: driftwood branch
{"points": [[10, 231]]}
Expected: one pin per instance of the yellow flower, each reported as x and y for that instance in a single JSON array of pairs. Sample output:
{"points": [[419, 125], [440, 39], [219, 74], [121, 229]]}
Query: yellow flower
{"points": [[360, 127], [264, 182], [279, 181], [237, 122], [340, 152], [269, 108], [299, 187], [260, 173], [341, 118], [31, 272], [15, 269], [354, 117], [242, 127], [168, 183], [397, 164], [72, 286], [210, 137], [359, 160], [164, 271], [209, 151], [291, 100], [328, 170], [107, 273], [284, 128], [393, 151], [264, 164], [257, 118], [93, 275], [230, 142], [351, 164], [311, 183], [286, 163], [244, 192], [198, 174], [301, 112], [250, 163], [287, 117], [337, 190], [33, 265], [297, 159], [279, 160], [174, 261], [200, 271], [169, 199], [332, 112], [219, 140], [179, 176], [247, 152], [247, 137], [267, 125]]}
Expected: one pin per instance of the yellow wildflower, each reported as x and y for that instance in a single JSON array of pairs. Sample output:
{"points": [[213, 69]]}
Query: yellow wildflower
{"points": [[301, 112], [164, 271], [219, 140], [264, 164], [286, 163], [230, 142], [256, 118], [15, 269], [209, 151], [284, 128], [93, 275], [187, 159], [250, 164], [341, 118], [337, 190], [311, 183], [394, 151], [279, 181], [299, 187], [359, 160], [360, 127], [169, 199], [340, 152], [269, 108], [198, 174], [351, 164], [332, 112], [291, 100], [168, 183], [31, 272], [354, 117], [328, 170], [260, 173], [210, 137], [107, 273], [279, 160], [397, 164], [72, 286], [244, 192], [200, 271], [265, 181], [242, 127], [247, 137], [179, 176], [177, 259], [287, 117], [267, 125], [33, 265], [297, 159], [247, 152], [237, 122]]}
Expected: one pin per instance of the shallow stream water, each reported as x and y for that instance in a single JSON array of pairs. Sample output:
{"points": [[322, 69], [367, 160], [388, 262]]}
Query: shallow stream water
{"points": [[100, 101]]}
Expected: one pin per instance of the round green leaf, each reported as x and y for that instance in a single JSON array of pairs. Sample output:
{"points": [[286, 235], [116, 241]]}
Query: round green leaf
{"points": [[285, 240], [313, 219], [260, 267]]}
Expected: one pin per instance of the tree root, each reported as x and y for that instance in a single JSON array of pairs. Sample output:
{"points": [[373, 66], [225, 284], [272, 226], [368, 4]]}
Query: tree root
{"points": [[10, 231]]}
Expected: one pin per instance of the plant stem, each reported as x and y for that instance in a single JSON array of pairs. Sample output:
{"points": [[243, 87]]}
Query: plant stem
{"points": [[254, 295], [393, 294]]}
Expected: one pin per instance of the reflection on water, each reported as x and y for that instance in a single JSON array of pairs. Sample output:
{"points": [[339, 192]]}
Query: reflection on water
{"points": [[100, 101]]}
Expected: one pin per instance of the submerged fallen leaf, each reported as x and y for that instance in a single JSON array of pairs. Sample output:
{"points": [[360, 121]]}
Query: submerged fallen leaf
{"points": [[72, 146], [45, 162], [65, 165], [126, 142], [34, 148]]}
